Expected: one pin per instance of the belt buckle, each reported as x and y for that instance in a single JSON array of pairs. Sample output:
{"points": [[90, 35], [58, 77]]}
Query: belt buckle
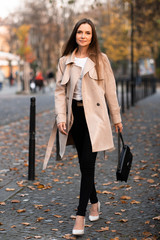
{"points": [[79, 104]]}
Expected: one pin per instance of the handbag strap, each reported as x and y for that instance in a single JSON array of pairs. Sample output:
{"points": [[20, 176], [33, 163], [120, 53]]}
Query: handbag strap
{"points": [[120, 137]]}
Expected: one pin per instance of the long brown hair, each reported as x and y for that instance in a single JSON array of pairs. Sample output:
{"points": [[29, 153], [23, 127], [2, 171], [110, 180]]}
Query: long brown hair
{"points": [[93, 49]]}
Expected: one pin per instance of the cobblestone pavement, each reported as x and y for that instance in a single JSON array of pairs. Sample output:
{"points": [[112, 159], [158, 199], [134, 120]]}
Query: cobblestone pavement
{"points": [[45, 208]]}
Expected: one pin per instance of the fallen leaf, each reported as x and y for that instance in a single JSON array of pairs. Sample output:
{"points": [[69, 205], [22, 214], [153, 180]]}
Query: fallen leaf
{"points": [[125, 198], [39, 219], [106, 184], [15, 201], [37, 237], [40, 186], [1, 223], [10, 189], [147, 222], [57, 216], [107, 192], [147, 234], [68, 236], [118, 213], [38, 206], [150, 181], [123, 220], [54, 229], [21, 210], [2, 203], [103, 229], [14, 226], [25, 223], [47, 210], [135, 202], [157, 218]]}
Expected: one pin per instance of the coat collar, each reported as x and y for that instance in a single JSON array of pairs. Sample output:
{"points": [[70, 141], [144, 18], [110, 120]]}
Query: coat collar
{"points": [[88, 66]]}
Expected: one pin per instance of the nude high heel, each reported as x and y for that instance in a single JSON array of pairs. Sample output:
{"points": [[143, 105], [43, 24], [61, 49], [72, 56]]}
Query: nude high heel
{"points": [[95, 218], [78, 232]]}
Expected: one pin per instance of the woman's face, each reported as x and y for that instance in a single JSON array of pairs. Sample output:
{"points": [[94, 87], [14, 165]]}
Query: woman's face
{"points": [[84, 35]]}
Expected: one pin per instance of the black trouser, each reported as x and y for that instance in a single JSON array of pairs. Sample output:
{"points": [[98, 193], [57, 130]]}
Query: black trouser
{"points": [[87, 158]]}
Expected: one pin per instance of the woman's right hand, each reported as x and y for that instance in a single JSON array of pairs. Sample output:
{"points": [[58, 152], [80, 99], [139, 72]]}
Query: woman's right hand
{"points": [[62, 128]]}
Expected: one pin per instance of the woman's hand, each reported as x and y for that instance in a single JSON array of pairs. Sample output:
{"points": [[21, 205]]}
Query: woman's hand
{"points": [[118, 126], [62, 128]]}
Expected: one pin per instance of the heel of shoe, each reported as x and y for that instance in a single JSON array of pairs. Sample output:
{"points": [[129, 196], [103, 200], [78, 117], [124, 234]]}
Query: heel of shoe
{"points": [[77, 232]]}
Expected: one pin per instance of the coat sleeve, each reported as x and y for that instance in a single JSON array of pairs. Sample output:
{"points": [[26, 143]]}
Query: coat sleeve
{"points": [[110, 92], [60, 96]]}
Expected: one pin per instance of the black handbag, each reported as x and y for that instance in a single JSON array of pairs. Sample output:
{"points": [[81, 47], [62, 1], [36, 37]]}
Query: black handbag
{"points": [[124, 160]]}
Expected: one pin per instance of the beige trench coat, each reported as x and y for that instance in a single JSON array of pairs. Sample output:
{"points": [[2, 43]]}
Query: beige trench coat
{"points": [[95, 93]]}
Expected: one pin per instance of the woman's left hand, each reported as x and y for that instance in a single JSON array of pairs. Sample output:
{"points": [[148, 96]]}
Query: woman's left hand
{"points": [[118, 126]]}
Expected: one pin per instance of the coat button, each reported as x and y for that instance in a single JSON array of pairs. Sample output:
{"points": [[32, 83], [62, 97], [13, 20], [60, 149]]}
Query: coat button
{"points": [[98, 104]]}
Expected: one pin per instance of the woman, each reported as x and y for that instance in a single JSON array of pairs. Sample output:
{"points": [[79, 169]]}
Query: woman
{"points": [[85, 83]]}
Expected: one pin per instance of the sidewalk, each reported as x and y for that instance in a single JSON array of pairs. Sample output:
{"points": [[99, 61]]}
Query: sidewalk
{"points": [[45, 208]]}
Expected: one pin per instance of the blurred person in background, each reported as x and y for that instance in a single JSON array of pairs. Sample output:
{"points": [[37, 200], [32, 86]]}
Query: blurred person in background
{"points": [[39, 80], [1, 80], [84, 83]]}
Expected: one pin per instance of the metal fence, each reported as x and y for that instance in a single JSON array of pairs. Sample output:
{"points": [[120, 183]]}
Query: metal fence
{"points": [[130, 92]]}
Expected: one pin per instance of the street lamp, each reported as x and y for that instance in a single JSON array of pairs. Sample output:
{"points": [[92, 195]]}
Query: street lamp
{"points": [[132, 55]]}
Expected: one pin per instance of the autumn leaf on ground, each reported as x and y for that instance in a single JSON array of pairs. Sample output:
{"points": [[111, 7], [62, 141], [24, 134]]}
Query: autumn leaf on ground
{"points": [[47, 210], [107, 192], [15, 201], [147, 234], [150, 181], [135, 202], [39, 219], [118, 213], [21, 210], [103, 229], [68, 236], [13, 226], [10, 189], [25, 223], [1, 223], [57, 216], [55, 229], [38, 206], [123, 220], [2, 203], [125, 198], [37, 237], [106, 184], [156, 218], [40, 186]]}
